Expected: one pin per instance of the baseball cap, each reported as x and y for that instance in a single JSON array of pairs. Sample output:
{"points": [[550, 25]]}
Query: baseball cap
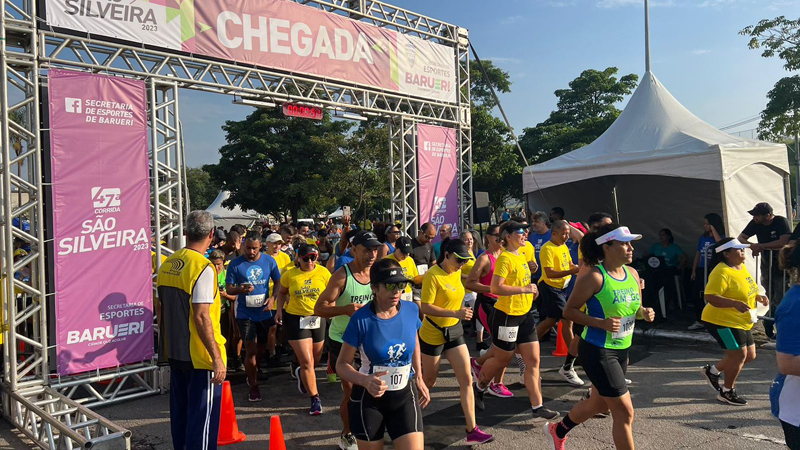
{"points": [[733, 243], [306, 249], [621, 234], [220, 234], [404, 245], [761, 208], [388, 275], [274, 237], [513, 227], [366, 238], [458, 248]]}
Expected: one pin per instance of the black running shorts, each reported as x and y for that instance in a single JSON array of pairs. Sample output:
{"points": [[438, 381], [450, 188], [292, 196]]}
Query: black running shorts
{"points": [[553, 300], [291, 323], [508, 331], [395, 412], [605, 368]]}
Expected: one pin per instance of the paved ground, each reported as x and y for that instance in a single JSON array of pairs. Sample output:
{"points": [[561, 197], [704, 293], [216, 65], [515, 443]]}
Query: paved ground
{"points": [[674, 409]]}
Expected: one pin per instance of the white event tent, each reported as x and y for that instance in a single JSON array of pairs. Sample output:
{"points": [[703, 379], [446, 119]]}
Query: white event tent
{"points": [[659, 166], [226, 218]]}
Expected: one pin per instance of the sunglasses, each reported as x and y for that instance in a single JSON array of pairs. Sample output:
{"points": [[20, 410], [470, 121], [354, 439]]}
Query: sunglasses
{"points": [[495, 235], [397, 287], [520, 231], [311, 257]]}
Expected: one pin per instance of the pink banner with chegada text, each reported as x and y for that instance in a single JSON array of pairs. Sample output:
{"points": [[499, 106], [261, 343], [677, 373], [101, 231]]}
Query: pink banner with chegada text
{"points": [[101, 221], [277, 34], [437, 163]]}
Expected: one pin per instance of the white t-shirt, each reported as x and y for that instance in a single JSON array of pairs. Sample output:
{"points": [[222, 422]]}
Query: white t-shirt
{"points": [[204, 288]]}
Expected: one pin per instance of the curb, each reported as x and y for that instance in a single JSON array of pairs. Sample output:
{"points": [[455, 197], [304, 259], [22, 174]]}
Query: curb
{"points": [[684, 336]]}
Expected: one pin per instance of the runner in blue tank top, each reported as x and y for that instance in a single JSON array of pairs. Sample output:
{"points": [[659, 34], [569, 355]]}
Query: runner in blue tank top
{"points": [[612, 297]]}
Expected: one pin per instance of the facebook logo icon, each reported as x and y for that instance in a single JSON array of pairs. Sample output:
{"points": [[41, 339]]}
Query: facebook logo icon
{"points": [[73, 105]]}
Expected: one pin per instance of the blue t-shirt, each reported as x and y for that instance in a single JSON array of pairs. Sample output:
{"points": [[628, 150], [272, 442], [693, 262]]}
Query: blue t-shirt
{"points": [[538, 240], [346, 258], [506, 216], [704, 247], [785, 396], [384, 342], [257, 273], [437, 247], [670, 254]]}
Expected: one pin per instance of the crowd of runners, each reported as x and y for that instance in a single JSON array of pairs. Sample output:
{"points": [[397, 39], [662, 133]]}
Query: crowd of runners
{"points": [[384, 308]]}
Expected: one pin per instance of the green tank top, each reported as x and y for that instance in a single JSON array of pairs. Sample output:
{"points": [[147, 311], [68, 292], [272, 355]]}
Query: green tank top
{"points": [[354, 292], [617, 298]]}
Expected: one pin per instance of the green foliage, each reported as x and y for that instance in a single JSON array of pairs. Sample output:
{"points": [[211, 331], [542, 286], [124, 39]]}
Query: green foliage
{"points": [[273, 163], [479, 85], [779, 36], [202, 190], [781, 117], [585, 111]]}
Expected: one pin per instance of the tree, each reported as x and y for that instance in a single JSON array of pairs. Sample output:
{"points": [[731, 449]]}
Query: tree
{"points": [[496, 162], [273, 163], [202, 190], [779, 36], [781, 117], [365, 163], [584, 112]]}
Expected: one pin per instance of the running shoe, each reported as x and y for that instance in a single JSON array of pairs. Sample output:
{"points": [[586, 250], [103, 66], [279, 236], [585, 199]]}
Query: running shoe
{"points": [[274, 362], [476, 368], [571, 377], [293, 369], [481, 346], [262, 374], [731, 398], [713, 380], [542, 413], [478, 397], [477, 437], [696, 326], [333, 378], [255, 394], [556, 443], [521, 364], [300, 386], [348, 442], [500, 390], [601, 415], [240, 366], [628, 381], [316, 406]]}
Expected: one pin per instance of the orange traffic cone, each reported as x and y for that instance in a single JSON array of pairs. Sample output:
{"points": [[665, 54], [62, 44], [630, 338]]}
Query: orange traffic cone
{"points": [[228, 428], [276, 441], [561, 346]]}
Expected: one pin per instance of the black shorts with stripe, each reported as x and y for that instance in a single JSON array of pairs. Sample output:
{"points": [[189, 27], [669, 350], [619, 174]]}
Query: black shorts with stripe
{"points": [[395, 412]]}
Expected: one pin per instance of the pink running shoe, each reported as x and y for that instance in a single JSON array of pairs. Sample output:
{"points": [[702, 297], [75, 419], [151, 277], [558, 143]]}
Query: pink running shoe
{"points": [[476, 369], [477, 436], [556, 443], [500, 390]]}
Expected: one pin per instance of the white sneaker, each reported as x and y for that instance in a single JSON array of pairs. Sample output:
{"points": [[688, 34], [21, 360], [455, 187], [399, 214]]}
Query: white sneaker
{"points": [[696, 326], [628, 381], [769, 345], [571, 377]]}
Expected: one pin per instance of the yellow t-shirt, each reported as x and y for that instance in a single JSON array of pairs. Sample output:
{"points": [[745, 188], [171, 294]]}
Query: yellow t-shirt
{"points": [[557, 258], [304, 289], [467, 268], [284, 264], [409, 269], [528, 252], [733, 284], [445, 291], [515, 270]]}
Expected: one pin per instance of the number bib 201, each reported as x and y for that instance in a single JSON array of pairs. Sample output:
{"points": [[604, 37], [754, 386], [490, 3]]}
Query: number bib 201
{"points": [[508, 334], [309, 323], [626, 325], [397, 378]]}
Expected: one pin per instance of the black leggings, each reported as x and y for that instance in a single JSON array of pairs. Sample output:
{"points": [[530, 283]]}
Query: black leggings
{"points": [[792, 434]]}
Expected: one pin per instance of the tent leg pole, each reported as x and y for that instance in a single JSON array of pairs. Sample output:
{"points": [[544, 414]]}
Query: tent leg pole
{"points": [[616, 203]]}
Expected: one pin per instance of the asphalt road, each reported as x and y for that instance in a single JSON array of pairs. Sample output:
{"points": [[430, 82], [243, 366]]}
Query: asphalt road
{"points": [[675, 409]]}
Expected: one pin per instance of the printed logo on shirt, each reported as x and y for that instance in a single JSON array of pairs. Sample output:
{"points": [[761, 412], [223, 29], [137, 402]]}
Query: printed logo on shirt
{"points": [[394, 350], [176, 265], [255, 275], [753, 287], [627, 296]]}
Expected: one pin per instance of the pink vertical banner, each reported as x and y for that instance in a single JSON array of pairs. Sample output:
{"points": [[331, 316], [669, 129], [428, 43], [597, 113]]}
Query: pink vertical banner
{"points": [[101, 221], [437, 163]]}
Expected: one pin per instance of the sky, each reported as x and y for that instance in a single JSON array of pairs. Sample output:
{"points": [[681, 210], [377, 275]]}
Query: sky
{"points": [[696, 52]]}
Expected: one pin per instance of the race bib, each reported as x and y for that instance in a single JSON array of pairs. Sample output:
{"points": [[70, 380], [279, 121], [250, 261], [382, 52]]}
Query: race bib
{"points": [[406, 296], [397, 378], [422, 268], [754, 315], [508, 334], [309, 323], [255, 301], [626, 325]]}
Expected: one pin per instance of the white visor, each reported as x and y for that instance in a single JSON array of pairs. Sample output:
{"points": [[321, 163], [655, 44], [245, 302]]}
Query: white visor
{"points": [[621, 234], [731, 244]]}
